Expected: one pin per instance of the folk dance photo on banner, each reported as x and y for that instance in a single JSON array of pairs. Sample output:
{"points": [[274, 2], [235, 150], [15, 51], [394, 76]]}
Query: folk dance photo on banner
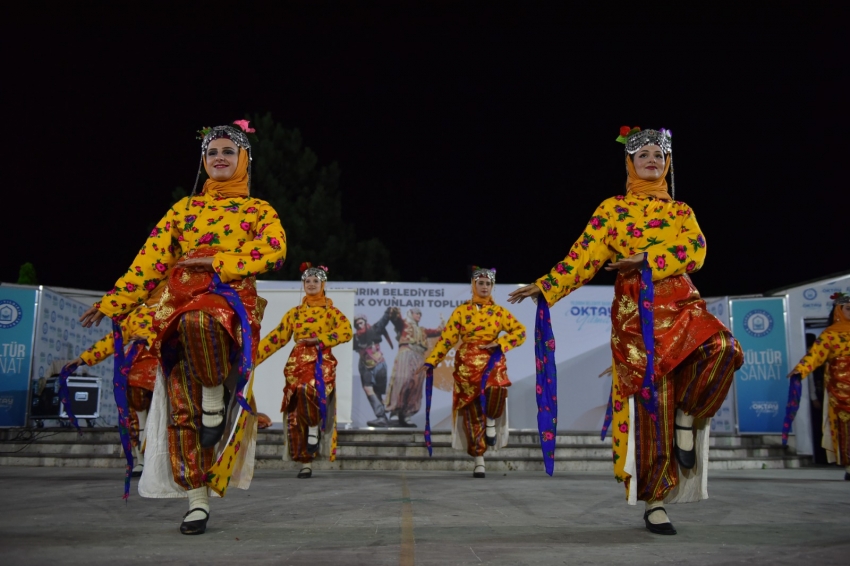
{"points": [[673, 362], [137, 331], [404, 396], [309, 399], [208, 248], [832, 348], [372, 365], [486, 332]]}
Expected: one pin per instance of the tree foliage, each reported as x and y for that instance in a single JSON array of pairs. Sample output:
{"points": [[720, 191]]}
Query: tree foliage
{"points": [[306, 196], [26, 276]]}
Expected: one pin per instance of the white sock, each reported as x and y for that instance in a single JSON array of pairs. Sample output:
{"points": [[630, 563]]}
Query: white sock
{"points": [[847, 469], [479, 461], [312, 431], [143, 421], [491, 424], [198, 499], [658, 517], [684, 438], [139, 459], [306, 466], [212, 402]]}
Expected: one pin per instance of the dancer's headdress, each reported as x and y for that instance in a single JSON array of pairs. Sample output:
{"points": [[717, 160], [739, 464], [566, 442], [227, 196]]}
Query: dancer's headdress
{"points": [[239, 136], [307, 270], [840, 298], [635, 138], [478, 272]]}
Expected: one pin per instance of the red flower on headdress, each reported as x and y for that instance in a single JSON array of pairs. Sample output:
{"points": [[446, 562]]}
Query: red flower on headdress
{"points": [[323, 268], [305, 266], [245, 125], [624, 130]]}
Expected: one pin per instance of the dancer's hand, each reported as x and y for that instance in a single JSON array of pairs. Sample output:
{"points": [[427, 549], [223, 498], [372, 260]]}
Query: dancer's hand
{"points": [[78, 361], [263, 421], [197, 264], [817, 404], [609, 371], [91, 316], [529, 291], [490, 346], [625, 264], [308, 341], [792, 374]]}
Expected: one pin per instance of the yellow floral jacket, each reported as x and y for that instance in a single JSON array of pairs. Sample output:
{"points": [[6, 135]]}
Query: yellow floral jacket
{"points": [[621, 227], [327, 324], [138, 323], [478, 323], [827, 347], [245, 232]]}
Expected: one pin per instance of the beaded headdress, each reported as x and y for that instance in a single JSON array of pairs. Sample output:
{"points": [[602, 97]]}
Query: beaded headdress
{"points": [[307, 270], [840, 298], [635, 138], [478, 272], [239, 136]]}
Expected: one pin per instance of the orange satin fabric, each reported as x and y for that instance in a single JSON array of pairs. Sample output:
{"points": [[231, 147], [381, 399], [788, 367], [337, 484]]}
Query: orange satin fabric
{"points": [[657, 188], [682, 324], [301, 369], [470, 362], [838, 386], [236, 186], [143, 371], [841, 323], [188, 290]]}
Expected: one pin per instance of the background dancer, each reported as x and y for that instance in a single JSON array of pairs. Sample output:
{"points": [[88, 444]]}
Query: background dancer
{"points": [[478, 324], [653, 242], [832, 347], [404, 398], [372, 366], [317, 326], [142, 376], [209, 247]]}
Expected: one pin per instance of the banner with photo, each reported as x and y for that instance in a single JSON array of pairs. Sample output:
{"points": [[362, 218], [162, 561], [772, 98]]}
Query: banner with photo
{"points": [[385, 314], [761, 387]]}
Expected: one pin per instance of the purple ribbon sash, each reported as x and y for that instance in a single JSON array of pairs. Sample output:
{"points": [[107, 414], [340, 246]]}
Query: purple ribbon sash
{"points": [[123, 363], [65, 395], [429, 388], [246, 364], [648, 395], [320, 388], [547, 384], [795, 391]]}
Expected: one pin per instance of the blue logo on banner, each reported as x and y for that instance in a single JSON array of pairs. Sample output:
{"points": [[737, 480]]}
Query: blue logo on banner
{"points": [[10, 313], [758, 323], [810, 294]]}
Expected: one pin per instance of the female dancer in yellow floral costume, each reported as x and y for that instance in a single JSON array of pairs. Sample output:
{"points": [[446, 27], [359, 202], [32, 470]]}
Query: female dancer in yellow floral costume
{"points": [[209, 247], [310, 372], [654, 242], [486, 332], [138, 325], [833, 348]]}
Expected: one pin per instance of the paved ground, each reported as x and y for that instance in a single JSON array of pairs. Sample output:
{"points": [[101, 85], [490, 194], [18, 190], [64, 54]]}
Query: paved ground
{"points": [[76, 516]]}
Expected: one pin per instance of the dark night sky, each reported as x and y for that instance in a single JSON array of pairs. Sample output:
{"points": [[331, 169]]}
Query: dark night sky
{"points": [[465, 134]]}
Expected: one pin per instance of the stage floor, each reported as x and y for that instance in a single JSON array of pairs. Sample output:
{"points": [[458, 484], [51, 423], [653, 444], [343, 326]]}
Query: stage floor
{"points": [[76, 516]]}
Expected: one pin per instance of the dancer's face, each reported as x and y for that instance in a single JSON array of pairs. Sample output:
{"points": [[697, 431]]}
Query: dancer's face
{"points": [[222, 158], [483, 287], [649, 162], [312, 285], [846, 310], [359, 324]]}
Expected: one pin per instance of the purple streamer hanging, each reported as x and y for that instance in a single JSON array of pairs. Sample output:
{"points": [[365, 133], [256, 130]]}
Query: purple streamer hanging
{"points": [[648, 395], [609, 414], [246, 364], [429, 389], [320, 388], [65, 395], [495, 356], [795, 391], [123, 363], [547, 384]]}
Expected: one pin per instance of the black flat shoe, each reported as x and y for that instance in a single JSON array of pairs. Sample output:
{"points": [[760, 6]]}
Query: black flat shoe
{"points": [[489, 440], [313, 448], [687, 458], [137, 473], [846, 476], [198, 527], [661, 528], [480, 474], [305, 473], [211, 435], [382, 422]]}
